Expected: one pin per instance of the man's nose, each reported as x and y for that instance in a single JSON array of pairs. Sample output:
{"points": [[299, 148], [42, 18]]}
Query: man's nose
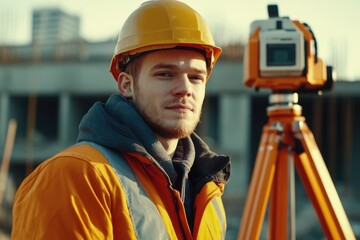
{"points": [[182, 86]]}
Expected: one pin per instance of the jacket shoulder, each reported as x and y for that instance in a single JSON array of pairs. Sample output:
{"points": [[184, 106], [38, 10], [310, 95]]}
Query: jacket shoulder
{"points": [[74, 183], [85, 152], [72, 163]]}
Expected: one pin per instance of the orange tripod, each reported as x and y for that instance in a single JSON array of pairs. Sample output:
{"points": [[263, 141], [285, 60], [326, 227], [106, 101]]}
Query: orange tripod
{"points": [[286, 142]]}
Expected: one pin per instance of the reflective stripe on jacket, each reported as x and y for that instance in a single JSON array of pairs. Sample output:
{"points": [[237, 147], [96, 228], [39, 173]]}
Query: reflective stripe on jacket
{"points": [[80, 196]]}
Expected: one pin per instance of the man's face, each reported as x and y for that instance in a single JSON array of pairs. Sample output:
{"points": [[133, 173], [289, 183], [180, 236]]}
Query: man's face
{"points": [[170, 90]]}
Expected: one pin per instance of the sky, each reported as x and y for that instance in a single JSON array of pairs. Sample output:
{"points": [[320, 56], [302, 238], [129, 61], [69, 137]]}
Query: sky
{"points": [[335, 23]]}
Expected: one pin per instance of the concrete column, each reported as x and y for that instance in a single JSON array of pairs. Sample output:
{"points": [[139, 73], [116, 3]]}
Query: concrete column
{"points": [[234, 139], [4, 116], [64, 118]]}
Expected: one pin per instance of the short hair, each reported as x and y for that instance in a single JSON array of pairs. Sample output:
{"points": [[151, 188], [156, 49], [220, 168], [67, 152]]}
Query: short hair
{"points": [[134, 66]]}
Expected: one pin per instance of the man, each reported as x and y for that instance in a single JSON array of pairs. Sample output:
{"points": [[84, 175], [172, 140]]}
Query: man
{"points": [[138, 170]]}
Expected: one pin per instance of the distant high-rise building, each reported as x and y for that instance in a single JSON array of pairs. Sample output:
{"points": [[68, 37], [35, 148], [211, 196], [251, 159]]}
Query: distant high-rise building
{"points": [[52, 25]]}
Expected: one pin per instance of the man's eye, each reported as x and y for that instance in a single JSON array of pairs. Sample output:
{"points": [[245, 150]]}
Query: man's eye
{"points": [[164, 74], [197, 78]]}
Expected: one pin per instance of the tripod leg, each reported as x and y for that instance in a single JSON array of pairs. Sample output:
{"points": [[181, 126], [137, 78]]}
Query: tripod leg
{"points": [[319, 186], [278, 215], [260, 185]]}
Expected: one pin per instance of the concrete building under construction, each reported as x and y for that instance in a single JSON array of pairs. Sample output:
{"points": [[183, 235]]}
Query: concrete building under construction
{"points": [[48, 87]]}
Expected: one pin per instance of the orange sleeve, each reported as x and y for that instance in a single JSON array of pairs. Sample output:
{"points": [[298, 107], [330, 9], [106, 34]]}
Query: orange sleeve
{"points": [[64, 198]]}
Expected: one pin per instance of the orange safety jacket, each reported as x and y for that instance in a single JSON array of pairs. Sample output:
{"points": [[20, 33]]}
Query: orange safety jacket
{"points": [[90, 192]]}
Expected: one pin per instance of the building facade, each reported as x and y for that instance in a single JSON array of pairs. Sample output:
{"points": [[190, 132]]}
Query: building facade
{"points": [[52, 26]]}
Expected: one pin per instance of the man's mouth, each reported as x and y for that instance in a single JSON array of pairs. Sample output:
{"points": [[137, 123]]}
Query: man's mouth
{"points": [[180, 107]]}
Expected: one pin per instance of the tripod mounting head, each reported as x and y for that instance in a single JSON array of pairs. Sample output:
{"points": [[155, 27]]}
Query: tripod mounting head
{"points": [[280, 98], [284, 101]]}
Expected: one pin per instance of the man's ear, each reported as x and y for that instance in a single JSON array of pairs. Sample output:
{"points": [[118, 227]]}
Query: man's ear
{"points": [[125, 84]]}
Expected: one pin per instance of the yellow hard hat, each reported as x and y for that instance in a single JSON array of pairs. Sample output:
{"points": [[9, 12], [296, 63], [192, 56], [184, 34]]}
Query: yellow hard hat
{"points": [[163, 24]]}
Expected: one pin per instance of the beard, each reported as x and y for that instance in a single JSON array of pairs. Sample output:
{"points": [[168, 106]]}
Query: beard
{"points": [[176, 127]]}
